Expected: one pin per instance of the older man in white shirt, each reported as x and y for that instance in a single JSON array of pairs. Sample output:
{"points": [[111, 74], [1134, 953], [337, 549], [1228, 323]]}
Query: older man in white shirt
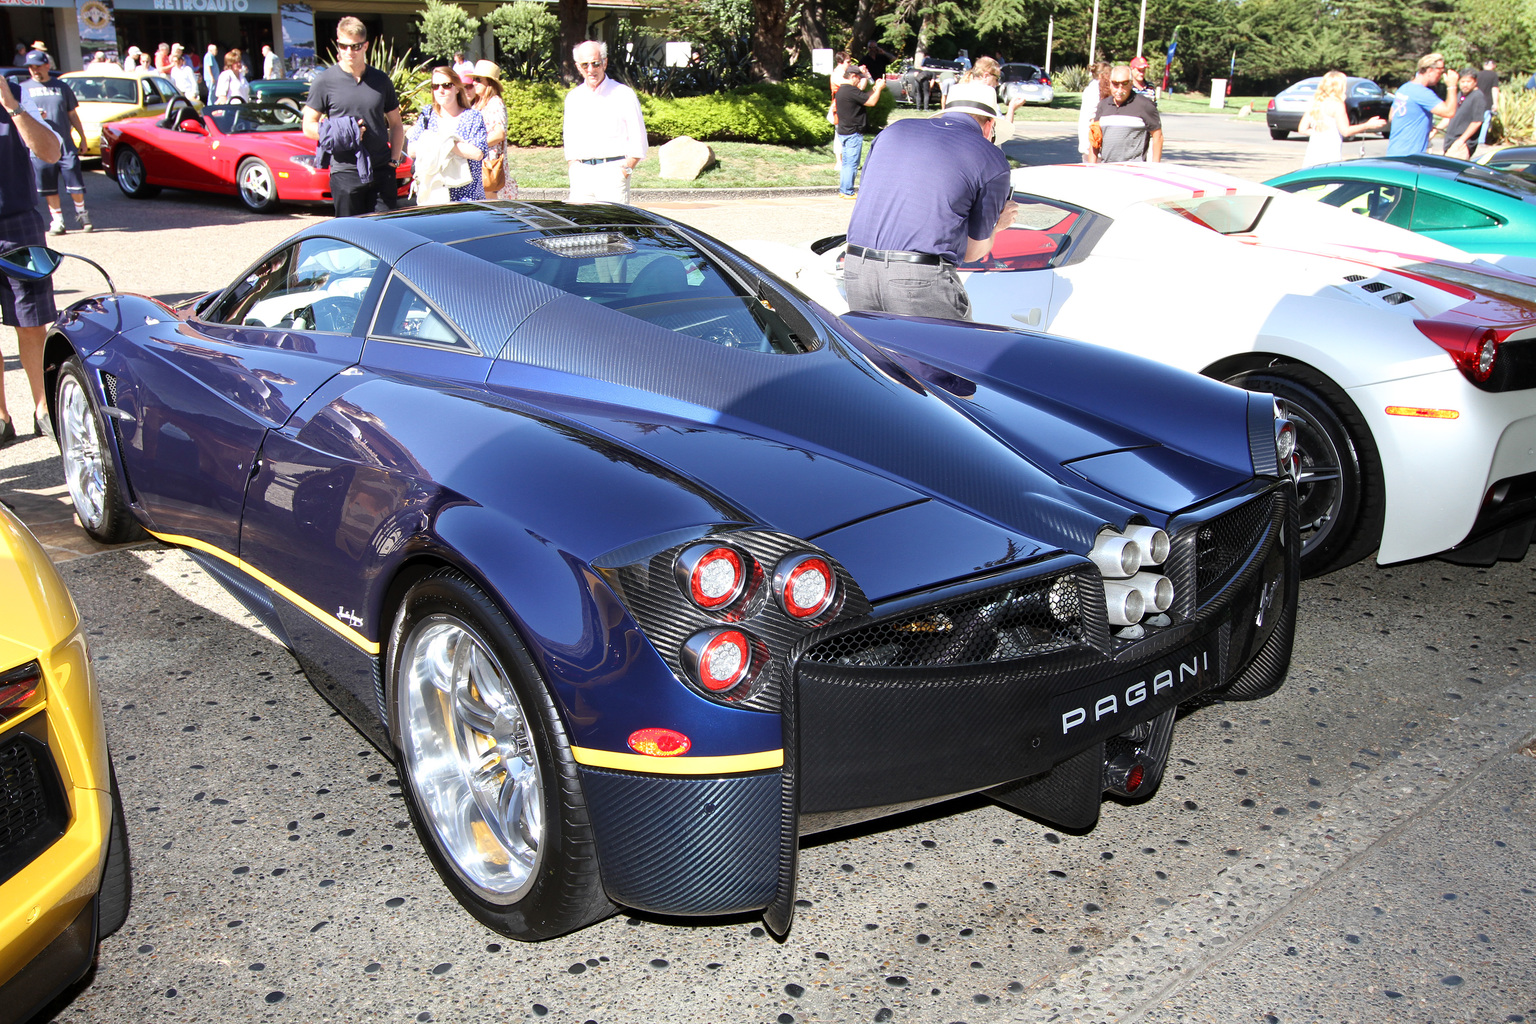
{"points": [[604, 130]]}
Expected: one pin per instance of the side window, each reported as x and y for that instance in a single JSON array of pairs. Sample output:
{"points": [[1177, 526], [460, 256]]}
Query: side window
{"points": [[1436, 213], [1390, 203], [1039, 233], [405, 315], [317, 285]]}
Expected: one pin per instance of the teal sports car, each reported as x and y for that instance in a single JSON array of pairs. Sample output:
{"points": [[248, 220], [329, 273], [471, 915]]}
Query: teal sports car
{"points": [[1479, 209]]}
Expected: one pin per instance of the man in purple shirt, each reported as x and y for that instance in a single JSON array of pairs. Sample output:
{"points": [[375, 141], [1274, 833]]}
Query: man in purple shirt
{"points": [[909, 230]]}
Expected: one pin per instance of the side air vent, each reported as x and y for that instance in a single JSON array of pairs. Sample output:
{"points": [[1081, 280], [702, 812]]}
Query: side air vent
{"points": [[1352, 278], [1397, 298], [1376, 286], [109, 386]]}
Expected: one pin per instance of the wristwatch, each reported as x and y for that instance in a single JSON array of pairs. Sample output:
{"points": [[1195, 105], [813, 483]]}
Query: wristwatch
{"points": [[14, 112]]}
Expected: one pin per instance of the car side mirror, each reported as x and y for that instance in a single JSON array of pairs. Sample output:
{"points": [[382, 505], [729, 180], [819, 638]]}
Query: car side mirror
{"points": [[30, 262], [193, 126]]}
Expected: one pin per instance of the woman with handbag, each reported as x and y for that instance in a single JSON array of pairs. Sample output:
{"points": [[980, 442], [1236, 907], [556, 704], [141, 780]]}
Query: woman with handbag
{"points": [[449, 128], [487, 92]]}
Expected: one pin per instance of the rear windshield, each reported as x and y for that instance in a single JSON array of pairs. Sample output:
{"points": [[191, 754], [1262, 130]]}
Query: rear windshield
{"points": [[1504, 181], [1225, 215], [655, 276]]}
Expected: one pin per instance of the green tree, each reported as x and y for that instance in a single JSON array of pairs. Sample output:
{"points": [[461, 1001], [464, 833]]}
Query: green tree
{"points": [[446, 29], [527, 36]]}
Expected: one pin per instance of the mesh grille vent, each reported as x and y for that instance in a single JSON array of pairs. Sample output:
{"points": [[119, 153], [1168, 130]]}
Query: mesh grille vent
{"points": [[1001, 624], [1376, 286], [1222, 544], [1352, 278], [1397, 298], [29, 819], [109, 386]]}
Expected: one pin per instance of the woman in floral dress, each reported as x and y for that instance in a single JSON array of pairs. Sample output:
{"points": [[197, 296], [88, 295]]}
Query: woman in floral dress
{"points": [[451, 115], [487, 92]]}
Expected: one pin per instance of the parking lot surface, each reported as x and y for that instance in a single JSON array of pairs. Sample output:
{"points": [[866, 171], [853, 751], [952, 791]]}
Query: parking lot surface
{"points": [[1360, 846]]}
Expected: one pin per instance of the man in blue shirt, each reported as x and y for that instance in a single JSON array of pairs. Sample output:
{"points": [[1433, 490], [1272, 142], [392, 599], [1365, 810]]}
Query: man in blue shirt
{"points": [[1416, 106], [53, 99], [935, 192]]}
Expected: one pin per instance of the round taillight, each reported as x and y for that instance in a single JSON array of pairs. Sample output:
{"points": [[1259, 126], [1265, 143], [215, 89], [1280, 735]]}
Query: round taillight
{"points": [[713, 575], [805, 585], [719, 659], [1133, 781], [1487, 352]]}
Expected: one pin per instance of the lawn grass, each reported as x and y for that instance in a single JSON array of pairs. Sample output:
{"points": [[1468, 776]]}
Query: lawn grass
{"points": [[751, 165]]}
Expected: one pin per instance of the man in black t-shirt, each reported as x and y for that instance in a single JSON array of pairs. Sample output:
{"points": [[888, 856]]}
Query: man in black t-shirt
{"points": [[851, 101], [362, 162], [1461, 133]]}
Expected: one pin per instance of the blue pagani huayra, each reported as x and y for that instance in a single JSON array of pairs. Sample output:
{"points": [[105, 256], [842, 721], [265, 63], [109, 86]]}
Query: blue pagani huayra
{"points": [[641, 566]]}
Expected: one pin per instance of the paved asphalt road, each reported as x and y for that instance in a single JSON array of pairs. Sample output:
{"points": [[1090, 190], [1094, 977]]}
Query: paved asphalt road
{"points": [[1358, 847]]}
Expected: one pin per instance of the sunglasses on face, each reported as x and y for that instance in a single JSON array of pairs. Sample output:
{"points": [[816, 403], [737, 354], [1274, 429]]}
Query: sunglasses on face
{"points": [[442, 85], [1119, 81], [341, 46], [584, 64]]}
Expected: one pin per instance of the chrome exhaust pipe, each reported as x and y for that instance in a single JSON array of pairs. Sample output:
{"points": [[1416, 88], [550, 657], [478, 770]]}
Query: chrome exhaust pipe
{"points": [[1116, 556], [1126, 604], [1156, 591], [1152, 542]]}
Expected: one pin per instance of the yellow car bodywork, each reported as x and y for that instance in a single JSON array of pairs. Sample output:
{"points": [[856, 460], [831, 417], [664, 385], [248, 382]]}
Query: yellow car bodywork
{"points": [[115, 95], [50, 915]]}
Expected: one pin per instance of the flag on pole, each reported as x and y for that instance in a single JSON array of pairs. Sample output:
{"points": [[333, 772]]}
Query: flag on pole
{"points": [[1168, 64]]}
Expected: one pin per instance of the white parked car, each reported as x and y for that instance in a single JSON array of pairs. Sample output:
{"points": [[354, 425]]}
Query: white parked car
{"points": [[1026, 83], [1408, 366]]}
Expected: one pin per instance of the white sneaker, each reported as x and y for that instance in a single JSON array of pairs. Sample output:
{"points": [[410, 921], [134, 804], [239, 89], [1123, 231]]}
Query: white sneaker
{"points": [[85, 220], [57, 227]]}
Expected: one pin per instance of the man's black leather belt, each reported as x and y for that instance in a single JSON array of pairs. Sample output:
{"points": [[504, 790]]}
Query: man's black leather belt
{"points": [[897, 256], [601, 160]]}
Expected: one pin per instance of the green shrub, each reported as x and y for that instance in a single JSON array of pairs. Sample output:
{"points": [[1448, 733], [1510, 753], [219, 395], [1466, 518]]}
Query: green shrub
{"points": [[1070, 79], [793, 114], [535, 113], [1517, 109], [446, 29]]}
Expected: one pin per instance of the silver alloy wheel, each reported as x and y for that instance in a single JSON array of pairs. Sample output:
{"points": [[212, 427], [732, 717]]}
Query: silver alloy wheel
{"points": [[85, 467], [130, 171], [257, 189], [1320, 483], [470, 757]]}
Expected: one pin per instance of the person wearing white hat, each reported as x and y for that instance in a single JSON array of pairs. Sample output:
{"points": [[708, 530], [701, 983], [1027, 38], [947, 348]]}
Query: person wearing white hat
{"points": [[906, 235]]}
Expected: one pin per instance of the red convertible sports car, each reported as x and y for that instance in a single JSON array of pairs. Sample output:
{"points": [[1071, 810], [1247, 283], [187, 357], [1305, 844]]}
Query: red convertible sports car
{"points": [[254, 151]]}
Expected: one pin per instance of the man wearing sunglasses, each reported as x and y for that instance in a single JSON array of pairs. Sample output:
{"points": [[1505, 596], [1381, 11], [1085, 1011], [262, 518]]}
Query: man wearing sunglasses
{"points": [[1130, 129], [604, 130], [351, 92], [1416, 106]]}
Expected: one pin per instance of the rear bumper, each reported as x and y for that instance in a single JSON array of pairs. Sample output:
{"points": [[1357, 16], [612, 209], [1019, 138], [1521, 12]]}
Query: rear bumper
{"points": [[862, 740]]}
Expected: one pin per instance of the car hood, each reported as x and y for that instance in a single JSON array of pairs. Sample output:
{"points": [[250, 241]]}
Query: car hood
{"points": [[812, 442]]}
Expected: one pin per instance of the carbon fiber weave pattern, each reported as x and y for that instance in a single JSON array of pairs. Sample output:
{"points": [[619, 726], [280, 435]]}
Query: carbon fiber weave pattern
{"points": [[502, 298], [651, 592], [1068, 795], [683, 845]]}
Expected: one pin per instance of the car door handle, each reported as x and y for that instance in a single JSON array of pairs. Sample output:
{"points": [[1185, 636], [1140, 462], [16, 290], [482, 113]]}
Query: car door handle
{"points": [[1032, 318]]}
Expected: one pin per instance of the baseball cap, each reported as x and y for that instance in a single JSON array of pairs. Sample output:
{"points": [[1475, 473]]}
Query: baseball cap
{"points": [[36, 58], [972, 98], [1138, 62]]}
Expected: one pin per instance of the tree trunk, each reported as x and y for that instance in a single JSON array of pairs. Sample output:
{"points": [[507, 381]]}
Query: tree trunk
{"points": [[864, 27], [770, 23], [813, 31], [573, 31]]}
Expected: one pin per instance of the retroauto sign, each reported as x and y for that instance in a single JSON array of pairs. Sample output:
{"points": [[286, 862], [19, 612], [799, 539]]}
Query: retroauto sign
{"points": [[200, 6]]}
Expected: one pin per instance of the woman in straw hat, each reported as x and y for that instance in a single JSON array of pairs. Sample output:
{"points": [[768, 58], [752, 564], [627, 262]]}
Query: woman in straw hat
{"points": [[487, 95]]}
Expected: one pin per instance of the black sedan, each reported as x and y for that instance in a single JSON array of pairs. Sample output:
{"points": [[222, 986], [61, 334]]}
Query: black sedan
{"points": [[1363, 99], [642, 566]]}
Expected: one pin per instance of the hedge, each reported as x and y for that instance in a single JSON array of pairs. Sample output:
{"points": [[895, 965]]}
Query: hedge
{"points": [[781, 115]]}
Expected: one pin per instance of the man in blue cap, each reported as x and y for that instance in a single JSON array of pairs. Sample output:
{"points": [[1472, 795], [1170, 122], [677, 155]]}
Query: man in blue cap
{"points": [[55, 102]]}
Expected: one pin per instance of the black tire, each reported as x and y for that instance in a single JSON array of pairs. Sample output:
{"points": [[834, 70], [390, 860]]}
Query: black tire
{"points": [[89, 472], [1341, 495], [128, 169], [555, 888], [116, 892], [1279, 133], [257, 185]]}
